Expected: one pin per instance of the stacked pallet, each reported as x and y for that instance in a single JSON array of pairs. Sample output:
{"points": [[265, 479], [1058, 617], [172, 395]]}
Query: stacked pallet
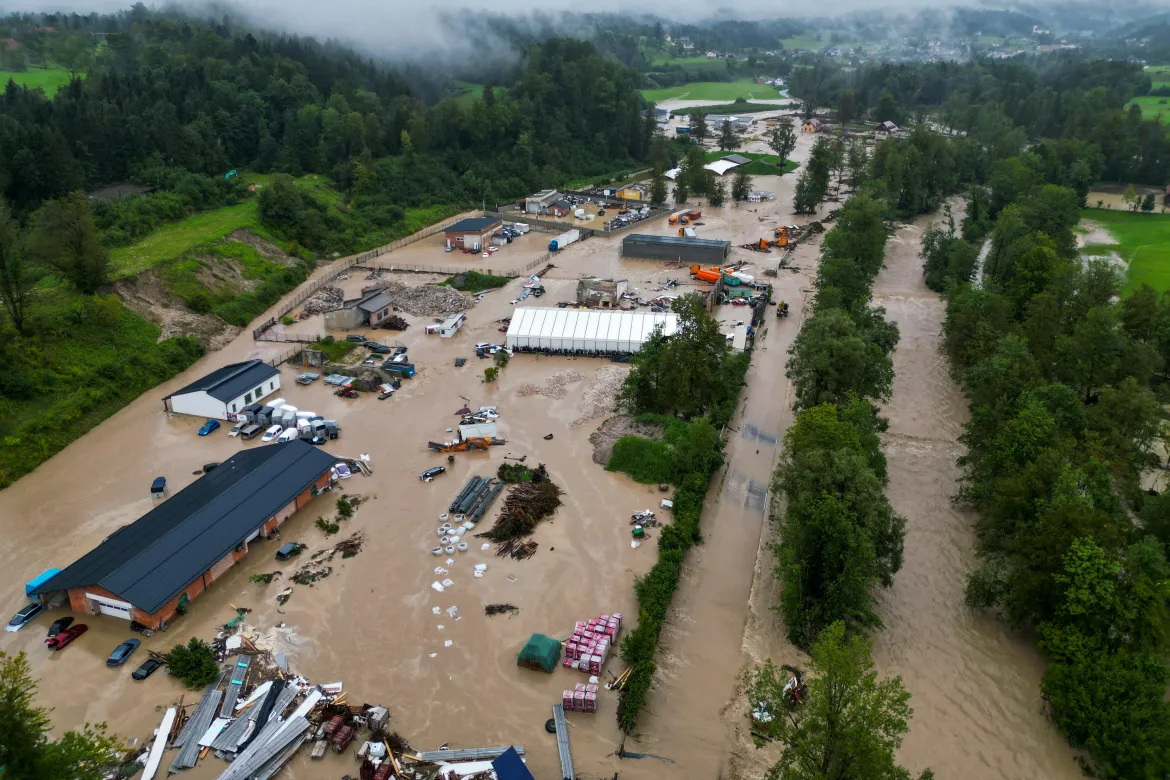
{"points": [[583, 698], [588, 648]]}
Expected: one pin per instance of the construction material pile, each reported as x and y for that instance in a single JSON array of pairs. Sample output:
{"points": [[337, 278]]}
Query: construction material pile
{"points": [[394, 322], [428, 300], [516, 549], [583, 698], [600, 397], [325, 299], [475, 498], [556, 386], [588, 648], [526, 505]]}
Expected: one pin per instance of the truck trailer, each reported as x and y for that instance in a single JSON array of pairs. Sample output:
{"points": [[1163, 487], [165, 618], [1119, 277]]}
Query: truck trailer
{"points": [[563, 240]]}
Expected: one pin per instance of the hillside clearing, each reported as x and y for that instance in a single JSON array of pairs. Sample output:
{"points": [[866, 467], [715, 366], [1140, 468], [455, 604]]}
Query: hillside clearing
{"points": [[1143, 243], [714, 90], [49, 79]]}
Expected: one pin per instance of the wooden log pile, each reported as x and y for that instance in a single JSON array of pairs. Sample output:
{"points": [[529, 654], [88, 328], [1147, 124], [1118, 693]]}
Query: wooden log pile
{"points": [[526, 505]]}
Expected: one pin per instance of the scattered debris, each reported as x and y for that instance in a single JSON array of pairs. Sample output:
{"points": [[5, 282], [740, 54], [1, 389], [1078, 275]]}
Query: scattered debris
{"points": [[429, 300], [394, 322], [264, 579], [318, 569], [644, 519], [548, 437], [517, 550], [500, 609], [517, 472], [283, 597]]}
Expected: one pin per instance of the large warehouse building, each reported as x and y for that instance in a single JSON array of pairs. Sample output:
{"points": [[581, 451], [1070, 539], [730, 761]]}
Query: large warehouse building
{"points": [[684, 250], [148, 571], [587, 332]]}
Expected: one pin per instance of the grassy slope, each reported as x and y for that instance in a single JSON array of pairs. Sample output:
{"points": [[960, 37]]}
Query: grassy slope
{"points": [[1143, 241], [467, 92], [810, 41], [733, 108], [713, 90], [177, 238], [49, 79]]}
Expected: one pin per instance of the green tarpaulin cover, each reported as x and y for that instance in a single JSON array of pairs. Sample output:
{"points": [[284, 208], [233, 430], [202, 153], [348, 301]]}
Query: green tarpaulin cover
{"points": [[541, 652]]}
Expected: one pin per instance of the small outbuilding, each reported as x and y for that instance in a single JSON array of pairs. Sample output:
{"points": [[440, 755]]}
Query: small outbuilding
{"points": [[448, 327], [887, 127], [812, 125], [222, 394], [560, 208], [472, 233], [370, 309], [601, 293]]}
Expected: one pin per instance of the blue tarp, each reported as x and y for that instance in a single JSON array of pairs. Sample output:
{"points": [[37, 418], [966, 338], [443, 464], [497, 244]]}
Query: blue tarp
{"points": [[510, 767], [39, 580]]}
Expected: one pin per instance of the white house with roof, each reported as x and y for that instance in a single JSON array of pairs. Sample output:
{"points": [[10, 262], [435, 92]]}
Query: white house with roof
{"points": [[223, 393]]}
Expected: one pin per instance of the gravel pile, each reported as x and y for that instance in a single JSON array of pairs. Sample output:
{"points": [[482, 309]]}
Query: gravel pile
{"points": [[326, 299], [556, 386], [600, 397], [428, 300]]}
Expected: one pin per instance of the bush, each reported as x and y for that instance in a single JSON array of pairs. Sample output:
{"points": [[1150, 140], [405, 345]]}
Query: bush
{"points": [[344, 508], [193, 664], [491, 374], [328, 526]]}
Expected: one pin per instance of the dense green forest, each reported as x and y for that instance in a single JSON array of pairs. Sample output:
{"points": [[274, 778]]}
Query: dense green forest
{"points": [[341, 154]]}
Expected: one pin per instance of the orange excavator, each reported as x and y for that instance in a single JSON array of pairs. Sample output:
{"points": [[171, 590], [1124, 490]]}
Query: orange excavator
{"points": [[470, 444]]}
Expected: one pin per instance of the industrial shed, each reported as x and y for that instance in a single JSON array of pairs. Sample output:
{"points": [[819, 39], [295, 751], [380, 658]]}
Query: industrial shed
{"points": [[223, 393], [150, 570], [579, 331], [685, 250]]}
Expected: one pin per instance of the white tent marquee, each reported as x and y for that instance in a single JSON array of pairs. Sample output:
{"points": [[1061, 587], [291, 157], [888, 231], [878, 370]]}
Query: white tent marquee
{"points": [[569, 330]]}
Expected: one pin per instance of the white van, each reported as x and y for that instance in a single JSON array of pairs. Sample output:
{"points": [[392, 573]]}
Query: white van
{"points": [[287, 435], [271, 433]]}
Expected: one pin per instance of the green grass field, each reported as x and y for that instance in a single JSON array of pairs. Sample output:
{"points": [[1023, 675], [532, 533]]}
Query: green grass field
{"points": [[713, 90], [466, 93], [810, 41], [761, 164], [734, 108], [1143, 241], [50, 80], [1153, 107]]}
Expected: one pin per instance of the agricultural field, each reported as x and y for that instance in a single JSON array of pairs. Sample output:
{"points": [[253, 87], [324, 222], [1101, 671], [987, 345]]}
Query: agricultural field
{"points": [[1142, 242], [809, 40], [714, 91], [48, 79], [1153, 107]]}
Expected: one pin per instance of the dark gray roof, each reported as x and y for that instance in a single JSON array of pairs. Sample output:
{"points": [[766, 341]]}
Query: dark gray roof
{"points": [[738, 159], [156, 557], [472, 225], [641, 238], [375, 302], [231, 381], [562, 204]]}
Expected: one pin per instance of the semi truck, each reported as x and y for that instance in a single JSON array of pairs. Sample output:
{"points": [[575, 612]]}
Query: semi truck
{"points": [[563, 240]]}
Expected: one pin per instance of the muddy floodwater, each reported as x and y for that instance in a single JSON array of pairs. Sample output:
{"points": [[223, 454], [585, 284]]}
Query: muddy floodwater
{"points": [[451, 677]]}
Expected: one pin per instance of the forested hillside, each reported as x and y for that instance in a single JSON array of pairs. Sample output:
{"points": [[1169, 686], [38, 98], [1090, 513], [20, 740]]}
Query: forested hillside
{"points": [[193, 119]]}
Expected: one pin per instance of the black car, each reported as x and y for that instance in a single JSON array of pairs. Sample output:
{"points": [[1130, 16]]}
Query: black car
{"points": [[355, 337], [122, 652], [149, 667], [376, 348], [431, 473], [59, 625], [317, 440], [289, 550]]}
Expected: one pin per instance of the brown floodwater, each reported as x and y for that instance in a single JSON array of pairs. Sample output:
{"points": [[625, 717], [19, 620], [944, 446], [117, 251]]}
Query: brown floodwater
{"points": [[974, 684], [371, 624]]}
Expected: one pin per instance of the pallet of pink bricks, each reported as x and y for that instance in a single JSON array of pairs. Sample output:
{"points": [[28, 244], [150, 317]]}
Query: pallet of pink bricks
{"points": [[589, 646], [583, 698]]}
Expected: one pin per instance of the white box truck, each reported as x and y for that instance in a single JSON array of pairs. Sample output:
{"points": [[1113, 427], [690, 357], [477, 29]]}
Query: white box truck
{"points": [[563, 240]]}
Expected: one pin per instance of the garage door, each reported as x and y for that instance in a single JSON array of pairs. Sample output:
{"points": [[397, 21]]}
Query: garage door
{"points": [[118, 609]]}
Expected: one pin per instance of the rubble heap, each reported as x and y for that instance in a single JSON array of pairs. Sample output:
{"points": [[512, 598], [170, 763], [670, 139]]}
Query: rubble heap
{"points": [[600, 397], [325, 299], [556, 386], [428, 300]]}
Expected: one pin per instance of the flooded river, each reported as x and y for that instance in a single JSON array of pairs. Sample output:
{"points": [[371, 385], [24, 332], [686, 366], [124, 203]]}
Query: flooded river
{"points": [[975, 686]]}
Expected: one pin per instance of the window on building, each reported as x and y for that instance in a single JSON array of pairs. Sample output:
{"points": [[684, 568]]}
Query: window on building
{"points": [[260, 391], [272, 385], [233, 408], [247, 398]]}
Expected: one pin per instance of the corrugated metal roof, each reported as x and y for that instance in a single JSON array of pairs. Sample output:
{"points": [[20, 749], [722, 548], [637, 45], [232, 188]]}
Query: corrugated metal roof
{"points": [[642, 238], [153, 559], [230, 381], [472, 225]]}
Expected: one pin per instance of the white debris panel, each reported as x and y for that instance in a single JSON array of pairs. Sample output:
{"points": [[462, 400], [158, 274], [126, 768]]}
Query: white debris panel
{"points": [[582, 330]]}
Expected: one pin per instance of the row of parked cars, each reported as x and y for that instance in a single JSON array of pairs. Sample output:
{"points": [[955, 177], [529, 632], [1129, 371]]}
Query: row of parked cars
{"points": [[64, 631]]}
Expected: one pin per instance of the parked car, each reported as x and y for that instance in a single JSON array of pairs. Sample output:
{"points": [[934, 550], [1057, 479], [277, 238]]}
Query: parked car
{"points": [[59, 625], [355, 337], [250, 432], [384, 391], [149, 667], [289, 550], [370, 361], [158, 487], [307, 378], [122, 652], [65, 637], [317, 441], [25, 616], [235, 429], [272, 433], [209, 467], [431, 473], [208, 427], [377, 348]]}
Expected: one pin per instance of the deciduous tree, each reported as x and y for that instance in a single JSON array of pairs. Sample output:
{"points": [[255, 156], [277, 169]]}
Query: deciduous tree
{"points": [[17, 277], [65, 239], [741, 187], [851, 723], [782, 140]]}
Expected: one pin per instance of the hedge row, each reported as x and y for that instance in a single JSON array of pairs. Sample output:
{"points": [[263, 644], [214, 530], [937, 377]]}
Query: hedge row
{"points": [[655, 590]]}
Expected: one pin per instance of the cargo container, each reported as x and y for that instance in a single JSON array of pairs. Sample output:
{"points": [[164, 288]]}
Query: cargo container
{"points": [[563, 240]]}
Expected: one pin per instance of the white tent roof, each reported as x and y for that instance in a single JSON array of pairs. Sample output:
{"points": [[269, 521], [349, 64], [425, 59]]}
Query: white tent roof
{"points": [[586, 329], [673, 173], [721, 167]]}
